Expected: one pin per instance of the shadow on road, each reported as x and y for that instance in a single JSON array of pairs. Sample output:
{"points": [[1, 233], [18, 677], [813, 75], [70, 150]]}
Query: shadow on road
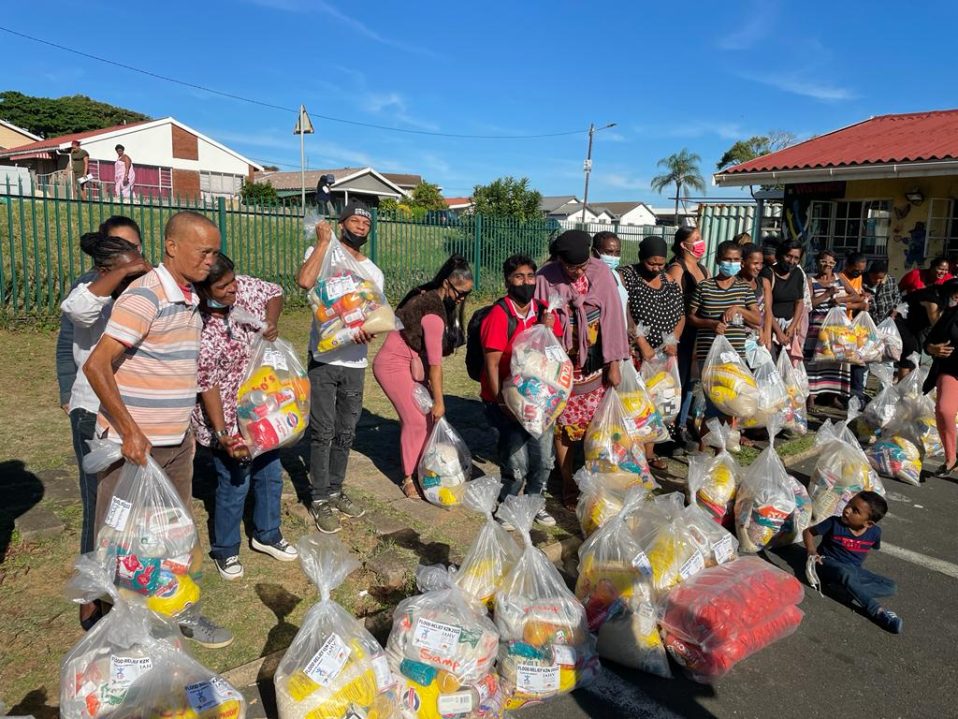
{"points": [[281, 602], [35, 704], [22, 490]]}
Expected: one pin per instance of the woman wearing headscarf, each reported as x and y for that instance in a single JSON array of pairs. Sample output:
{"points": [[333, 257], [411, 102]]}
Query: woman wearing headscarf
{"points": [[593, 333], [656, 302], [433, 321]]}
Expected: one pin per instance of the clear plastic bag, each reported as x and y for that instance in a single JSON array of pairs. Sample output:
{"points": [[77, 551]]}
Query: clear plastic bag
{"points": [[855, 342], [896, 457], [612, 444], [772, 392], [799, 520], [272, 405], [727, 613], [713, 481], [728, 382], [493, 552], [765, 499], [97, 672], [446, 462], [795, 414], [443, 649], [674, 553], [600, 498], [346, 299], [545, 647], [717, 543], [871, 346], [540, 377], [148, 534], [639, 406], [334, 667], [662, 378], [883, 407], [892, 344]]}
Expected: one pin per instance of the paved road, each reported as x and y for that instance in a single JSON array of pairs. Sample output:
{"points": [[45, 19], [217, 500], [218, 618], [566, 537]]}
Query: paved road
{"points": [[838, 663]]}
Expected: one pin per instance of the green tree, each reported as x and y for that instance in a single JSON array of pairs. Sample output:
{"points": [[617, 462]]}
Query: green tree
{"points": [[426, 196], [745, 150], [258, 193], [51, 117], [507, 197], [682, 170]]}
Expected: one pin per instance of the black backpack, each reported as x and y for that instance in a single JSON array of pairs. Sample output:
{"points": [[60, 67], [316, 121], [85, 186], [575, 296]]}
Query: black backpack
{"points": [[475, 356]]}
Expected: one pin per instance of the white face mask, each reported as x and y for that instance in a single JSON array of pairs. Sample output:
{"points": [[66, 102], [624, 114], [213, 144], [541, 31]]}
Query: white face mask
{"points": [[952, 301]]}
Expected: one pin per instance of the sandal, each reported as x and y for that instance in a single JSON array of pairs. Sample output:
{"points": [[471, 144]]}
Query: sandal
{"points": [[409, 488], [659, 463]]}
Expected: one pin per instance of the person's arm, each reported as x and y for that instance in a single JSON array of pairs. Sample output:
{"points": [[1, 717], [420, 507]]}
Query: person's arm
{"points": [[106, 283], [933, 310], [433, 329], [823, 298], [127, 163], [213, 405], [494, 338], [99, 372], [274, 307], [645, 349], [793, 327], [66, 365], [808, 538], [86, 164], [309, 271], [492, 358], [700, 323], [83, 307], [675, 273]]}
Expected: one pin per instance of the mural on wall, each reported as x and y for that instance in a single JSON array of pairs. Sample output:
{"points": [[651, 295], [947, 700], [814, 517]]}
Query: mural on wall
{"points": [[795, 220], [914, 241]]}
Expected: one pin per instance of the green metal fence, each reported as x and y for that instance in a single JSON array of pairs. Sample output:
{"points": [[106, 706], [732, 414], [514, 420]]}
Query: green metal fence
{"points": [[40, 256]]}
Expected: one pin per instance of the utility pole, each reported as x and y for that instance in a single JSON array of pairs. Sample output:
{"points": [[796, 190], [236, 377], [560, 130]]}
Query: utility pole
{"points": [[304, 126], [587, 167]]}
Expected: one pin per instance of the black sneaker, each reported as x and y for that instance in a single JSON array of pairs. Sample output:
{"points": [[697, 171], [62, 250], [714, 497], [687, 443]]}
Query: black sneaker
{"points": [[326, 520], [342, 503], [889, 621], [229, 567], [281, 550]]}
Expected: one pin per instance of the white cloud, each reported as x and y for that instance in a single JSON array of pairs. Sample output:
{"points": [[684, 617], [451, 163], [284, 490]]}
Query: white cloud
{"points": [[271, 138], [755, 27], [695, 129], [799, 85], [621, 181], [610, 136], [394, 105]]}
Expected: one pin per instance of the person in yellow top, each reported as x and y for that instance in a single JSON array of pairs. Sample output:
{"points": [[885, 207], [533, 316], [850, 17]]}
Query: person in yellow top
{"points": [[855, 300]]}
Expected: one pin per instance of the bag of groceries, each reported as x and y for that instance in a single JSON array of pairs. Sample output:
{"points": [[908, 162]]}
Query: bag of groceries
{"points": [[662, 378], [892, 345], [334, 666], [601, 497], [728, 382], [765, 499], [871, 347], [545, 647], [720, 544], [540, 377], [612, 445], [148, 535], [799, 520], [713, 481], [493, 552], [639, 406], [446, 462], [345, 300], [772, 392], [443, 648], [842, 340], [796, 386], [883, 407]]}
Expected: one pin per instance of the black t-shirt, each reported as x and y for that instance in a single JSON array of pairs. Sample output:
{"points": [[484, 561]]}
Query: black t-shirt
{"points": [[785, 293]]}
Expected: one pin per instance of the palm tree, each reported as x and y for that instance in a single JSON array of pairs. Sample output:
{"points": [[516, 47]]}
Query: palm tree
{"points": [[682, 170]]}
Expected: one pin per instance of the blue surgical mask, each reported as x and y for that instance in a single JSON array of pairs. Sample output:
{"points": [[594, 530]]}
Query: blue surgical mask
{"points": [[214, 305], [729, 269], [611, 260]]}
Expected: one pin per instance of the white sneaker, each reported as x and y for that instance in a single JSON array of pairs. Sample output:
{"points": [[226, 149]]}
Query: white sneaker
{"points": [[281, 550], [504, 523], [545, 519], [229, 568]]}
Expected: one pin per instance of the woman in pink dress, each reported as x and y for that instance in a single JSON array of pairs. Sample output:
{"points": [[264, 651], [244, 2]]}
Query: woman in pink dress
{"points": [[123, 174]]}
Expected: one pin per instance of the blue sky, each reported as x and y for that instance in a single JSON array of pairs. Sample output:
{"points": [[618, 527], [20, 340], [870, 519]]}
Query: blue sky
{"points": [[672, 75]]}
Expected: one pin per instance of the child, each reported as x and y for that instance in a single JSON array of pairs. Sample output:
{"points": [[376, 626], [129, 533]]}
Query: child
{"points": [[845, 543]]}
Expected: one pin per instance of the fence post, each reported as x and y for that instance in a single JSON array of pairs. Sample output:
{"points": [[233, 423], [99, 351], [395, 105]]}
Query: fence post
{"points": [[221, 217], [374, 237], [477, 253]]}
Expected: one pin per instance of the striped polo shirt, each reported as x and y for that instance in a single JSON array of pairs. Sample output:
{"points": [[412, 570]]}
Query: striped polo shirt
{"points": [[158, 323]]}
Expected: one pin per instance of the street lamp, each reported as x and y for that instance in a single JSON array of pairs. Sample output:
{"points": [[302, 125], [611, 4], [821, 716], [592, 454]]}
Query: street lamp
{"points": [[304, 126], [587, 165]]}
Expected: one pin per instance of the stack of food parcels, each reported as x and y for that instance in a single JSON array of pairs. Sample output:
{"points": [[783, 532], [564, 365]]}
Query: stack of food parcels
{"points": [[334, 668], [915, 416], [713, 481], [842, 469], [613, 446], [728, 382], [795, 378], [765, 499], [493, 552], [772, 392], [443, 648], [545, 647], [132, 663], [446, 462], [272, 405], [853, 341], [540, 378], [726, 613], [346, 300], [601, 497], [639, 407], [892, 344], [662, 378], [148, 536]]}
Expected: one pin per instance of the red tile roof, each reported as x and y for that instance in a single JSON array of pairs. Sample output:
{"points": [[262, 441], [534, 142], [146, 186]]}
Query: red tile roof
{"points": [[458, 201], [53, 142], [912, 137]]}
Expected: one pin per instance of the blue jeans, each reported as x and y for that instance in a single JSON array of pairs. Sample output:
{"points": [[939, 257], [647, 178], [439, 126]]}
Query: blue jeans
{"points": [[521, 457], [83, 428], [864, 587], [233, 482], [859, 377]]}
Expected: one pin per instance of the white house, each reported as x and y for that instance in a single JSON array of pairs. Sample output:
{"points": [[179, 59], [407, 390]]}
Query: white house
{"points": [[629, 213], [169, 158], [568, 209], [364, 183]]}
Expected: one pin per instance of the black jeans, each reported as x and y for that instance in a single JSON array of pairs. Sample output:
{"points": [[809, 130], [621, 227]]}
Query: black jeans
{"points": [[859, 376], [335, 403], [83, 426]]}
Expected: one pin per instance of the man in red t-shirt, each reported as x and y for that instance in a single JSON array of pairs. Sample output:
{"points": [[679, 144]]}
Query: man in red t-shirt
{"points": [[522, 458]]}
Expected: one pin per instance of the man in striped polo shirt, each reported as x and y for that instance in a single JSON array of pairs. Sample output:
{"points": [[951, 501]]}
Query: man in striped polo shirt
{"points": [[144, 371]]}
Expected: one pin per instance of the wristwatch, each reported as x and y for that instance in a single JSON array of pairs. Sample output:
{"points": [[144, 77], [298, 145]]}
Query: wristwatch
{"points": [[221, 433]]}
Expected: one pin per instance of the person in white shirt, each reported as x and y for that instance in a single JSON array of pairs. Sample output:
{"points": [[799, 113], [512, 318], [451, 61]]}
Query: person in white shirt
{"points": [[336, 379], [607, 247], [117, 261]]}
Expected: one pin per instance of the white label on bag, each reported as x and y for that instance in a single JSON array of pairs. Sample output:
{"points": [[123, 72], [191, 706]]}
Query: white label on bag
{"points": [[126, 670], [440, 638], [458, 703], [206, 695], [329, 661], [730, 357], [275, 359], [694, 565], [384, 677], [642, 563], [563, 655], [555, 353], [118, 514], [631, 426], [336, 287], [646, 616], [537, 679], [723, 550]]}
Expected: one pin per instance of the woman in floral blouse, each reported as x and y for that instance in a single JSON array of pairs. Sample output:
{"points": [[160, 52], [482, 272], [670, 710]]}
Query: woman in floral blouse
{"points": [[225, 351]]}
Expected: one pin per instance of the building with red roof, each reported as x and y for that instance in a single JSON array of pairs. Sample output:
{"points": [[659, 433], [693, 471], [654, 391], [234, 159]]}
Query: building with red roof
{"points": [[886, 186]]}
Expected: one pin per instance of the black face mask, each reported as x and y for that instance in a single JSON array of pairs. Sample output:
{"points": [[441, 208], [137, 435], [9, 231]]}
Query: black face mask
{"points": [[354, 241], [450, 305], [521, 293], [645, 273], [853, 274], [784, 269]]}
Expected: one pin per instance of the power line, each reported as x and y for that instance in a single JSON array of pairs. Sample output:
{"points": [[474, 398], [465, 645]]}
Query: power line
{"points": [[273, 106]]}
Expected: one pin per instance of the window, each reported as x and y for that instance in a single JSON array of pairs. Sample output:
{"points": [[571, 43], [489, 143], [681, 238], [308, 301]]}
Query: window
{"points": [[876, 218], [217, 184], [942, 230], [846, 226]]}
